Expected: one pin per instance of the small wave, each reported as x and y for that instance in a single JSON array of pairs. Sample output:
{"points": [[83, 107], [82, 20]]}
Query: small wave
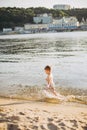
{"points": [[35, 93]]}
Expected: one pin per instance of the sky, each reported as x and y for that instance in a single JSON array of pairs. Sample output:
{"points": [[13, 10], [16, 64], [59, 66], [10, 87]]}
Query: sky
{"points": [[42, 3]]}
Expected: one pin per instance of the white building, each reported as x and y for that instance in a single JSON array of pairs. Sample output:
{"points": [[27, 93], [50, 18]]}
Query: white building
{"points": [[5, 30], [62, 7], [18, 29], [64, 23], [43, 19], [35, 26], [83, 24]]}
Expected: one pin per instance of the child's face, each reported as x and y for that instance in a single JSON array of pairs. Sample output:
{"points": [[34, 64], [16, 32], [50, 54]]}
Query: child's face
{"points": [[47, 71]]}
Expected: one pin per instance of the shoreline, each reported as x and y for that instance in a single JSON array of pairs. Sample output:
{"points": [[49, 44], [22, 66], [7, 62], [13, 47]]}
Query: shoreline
{"points": [[32, 115], [13, 33]]}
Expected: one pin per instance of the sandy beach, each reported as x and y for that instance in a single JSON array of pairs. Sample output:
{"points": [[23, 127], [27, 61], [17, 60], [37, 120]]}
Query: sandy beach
{"points": [[32, 115]]}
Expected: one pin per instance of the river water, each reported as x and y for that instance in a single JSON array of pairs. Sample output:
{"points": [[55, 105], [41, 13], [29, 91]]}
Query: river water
{"points": [[23, 58]]}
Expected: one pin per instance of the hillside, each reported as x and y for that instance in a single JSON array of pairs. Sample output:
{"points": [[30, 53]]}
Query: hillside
{"points": [[11, 17]]}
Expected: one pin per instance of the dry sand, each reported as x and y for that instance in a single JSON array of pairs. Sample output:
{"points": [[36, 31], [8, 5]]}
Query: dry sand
{"points": [[30, 115]]}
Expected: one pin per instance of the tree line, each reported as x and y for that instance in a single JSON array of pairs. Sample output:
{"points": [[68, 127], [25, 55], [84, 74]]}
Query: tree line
{"points": [[11, 17]]}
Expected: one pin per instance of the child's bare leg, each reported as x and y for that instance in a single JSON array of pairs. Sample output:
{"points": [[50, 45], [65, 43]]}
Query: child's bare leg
{"points": [[54, 92]]}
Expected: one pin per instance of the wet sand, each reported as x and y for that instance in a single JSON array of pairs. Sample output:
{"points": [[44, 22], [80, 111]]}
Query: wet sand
{"points": [[31, 115]]}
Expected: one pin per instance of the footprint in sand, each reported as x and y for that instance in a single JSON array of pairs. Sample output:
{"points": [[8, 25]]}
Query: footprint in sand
{"points": [[35, 127], [84, 128], [29, 118], [43, 127], [13, 118], [30, 110], [12, 127], [63, 128], [50, 119], [55, 117], [72, 129], [58, 121], [2, 114], [45, 111], [21, 113], [74, 123], [61, 124], [36, 119], [52, 126]]}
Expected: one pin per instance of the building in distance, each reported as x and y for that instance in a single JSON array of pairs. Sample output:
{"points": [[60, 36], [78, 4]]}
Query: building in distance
{"points": [[43, 19], [18, 29], [62, 7], [65, 23], [5, 30], [35, 27], [83, 24]]}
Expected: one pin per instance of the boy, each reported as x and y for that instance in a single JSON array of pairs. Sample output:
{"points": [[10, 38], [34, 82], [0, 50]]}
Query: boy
{"points": [[49, 79]]}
